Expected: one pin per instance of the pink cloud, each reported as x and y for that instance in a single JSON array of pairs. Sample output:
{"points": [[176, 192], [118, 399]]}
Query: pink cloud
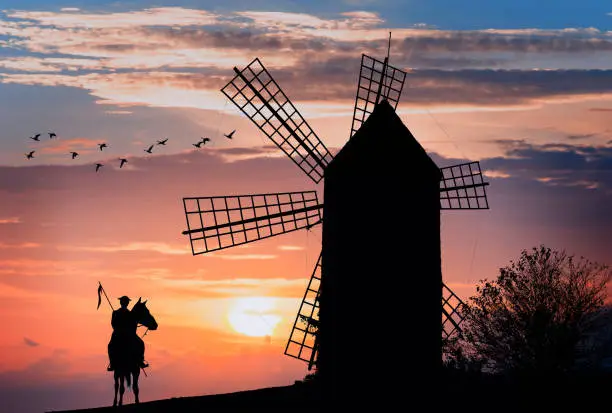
{"points": [[243, 256], [21, 245], [290, 248], [72, 144], [159, 247]]}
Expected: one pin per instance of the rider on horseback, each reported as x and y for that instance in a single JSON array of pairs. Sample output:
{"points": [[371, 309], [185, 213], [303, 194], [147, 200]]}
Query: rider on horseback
{"points": [[124, 337]]}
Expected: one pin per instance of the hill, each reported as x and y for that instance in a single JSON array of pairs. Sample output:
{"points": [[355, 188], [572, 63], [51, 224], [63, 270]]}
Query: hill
{"points": [[291, 398]]}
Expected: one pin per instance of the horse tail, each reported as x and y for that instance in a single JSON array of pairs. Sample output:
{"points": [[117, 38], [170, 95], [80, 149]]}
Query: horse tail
{"points": [[128, 379]]}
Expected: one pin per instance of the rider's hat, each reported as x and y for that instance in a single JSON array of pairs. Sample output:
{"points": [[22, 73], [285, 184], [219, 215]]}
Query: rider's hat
{"points": [[124, 298]]}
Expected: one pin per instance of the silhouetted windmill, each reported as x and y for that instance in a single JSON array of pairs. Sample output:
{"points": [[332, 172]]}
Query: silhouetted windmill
{"points": [[381, 256]]}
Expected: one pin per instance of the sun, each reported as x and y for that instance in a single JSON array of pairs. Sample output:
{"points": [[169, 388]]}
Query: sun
{"points": [[252, 316]]}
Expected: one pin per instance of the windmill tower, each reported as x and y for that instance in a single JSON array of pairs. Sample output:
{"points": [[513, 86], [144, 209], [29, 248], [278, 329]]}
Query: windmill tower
{"points": [[375, 302]]}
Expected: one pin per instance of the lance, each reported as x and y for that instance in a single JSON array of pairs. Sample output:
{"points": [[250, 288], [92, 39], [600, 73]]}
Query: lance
{"points": [[104, 291]]}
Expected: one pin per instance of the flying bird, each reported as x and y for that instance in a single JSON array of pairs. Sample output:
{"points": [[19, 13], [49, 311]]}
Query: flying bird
{"points": [[52, 135], [35, 137], [98, 166], [103, 145], [123, 160], [149, 149], [229, 135], [30, 154], [74, 154], [162, 142]]}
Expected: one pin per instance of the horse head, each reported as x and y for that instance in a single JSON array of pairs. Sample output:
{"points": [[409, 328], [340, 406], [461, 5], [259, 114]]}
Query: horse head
{"points": [[142, 315]]}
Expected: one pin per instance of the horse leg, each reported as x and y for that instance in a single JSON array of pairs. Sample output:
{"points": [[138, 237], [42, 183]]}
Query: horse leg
{"points": [[116, 389], [135, 387], [121, 391]]}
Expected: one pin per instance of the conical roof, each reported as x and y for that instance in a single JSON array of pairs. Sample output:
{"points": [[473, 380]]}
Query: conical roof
{"points": [[384, 141]]}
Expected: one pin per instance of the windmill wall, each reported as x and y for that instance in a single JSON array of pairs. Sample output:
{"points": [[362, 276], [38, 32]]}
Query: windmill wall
{"points": [[381, 280]]}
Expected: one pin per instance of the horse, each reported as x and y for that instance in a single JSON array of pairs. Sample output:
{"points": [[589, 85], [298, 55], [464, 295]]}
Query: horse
{"points": [[127, 359]]}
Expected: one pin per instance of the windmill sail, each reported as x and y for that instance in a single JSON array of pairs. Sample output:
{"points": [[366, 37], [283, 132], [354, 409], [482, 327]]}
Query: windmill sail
{"points": [[375, 75], [219, 222], [260, 98], [462, 187], [451, 312], [303, 342]]}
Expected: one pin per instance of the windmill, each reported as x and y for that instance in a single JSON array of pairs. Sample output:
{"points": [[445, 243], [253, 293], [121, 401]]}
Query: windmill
{"points": [[380, 257]]}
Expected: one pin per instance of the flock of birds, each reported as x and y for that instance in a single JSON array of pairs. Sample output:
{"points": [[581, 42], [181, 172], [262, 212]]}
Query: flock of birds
{"points": [[36, 137], [122, 161]]}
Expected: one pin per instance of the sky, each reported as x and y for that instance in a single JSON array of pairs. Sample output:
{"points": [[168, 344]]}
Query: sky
{"points": [[523, 87]]}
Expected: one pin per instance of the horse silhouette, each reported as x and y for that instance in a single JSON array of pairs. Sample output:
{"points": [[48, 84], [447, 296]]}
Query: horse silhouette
{"points": [[127, 360]]}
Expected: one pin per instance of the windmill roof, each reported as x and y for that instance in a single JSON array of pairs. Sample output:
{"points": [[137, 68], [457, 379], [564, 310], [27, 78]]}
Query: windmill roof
{"points": [[383, 139]]}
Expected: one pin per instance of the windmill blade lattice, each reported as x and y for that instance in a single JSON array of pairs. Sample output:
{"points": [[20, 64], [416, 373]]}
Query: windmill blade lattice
{"points": [[260, 98], [451, 312], [302, 342], [373, 75], [219, 222], [462, 187]]}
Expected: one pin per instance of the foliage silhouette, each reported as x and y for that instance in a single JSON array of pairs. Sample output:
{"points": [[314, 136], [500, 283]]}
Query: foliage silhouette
{"points": [[539, 316]]}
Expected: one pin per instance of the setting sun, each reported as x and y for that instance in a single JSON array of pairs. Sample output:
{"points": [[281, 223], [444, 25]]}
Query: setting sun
{"points": [[252, 316]]}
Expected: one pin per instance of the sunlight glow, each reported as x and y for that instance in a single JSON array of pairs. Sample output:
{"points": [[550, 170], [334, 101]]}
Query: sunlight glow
{"points": [[252, 316]]}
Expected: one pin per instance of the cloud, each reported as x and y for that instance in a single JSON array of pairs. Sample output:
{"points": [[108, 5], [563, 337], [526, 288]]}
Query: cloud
{"points": [[170, 16], [30, 343], [496, 174], [521, 41], [163, 89], [20, 245], [176, 168], [180, 57], [160, 247], [272, 287], [505, 86], [22, 277], [26, 263], [331, 82], [65, 146], [290, 248], [305, 23], [176, 37], [11, 220], [45, 386], [118, 112], [581, 137], [234, 257], [231, 155], [556, 164], [47, 64]]}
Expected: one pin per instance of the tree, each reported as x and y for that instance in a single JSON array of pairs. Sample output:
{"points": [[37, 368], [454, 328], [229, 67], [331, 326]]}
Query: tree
{"points": [[534, 316]]}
